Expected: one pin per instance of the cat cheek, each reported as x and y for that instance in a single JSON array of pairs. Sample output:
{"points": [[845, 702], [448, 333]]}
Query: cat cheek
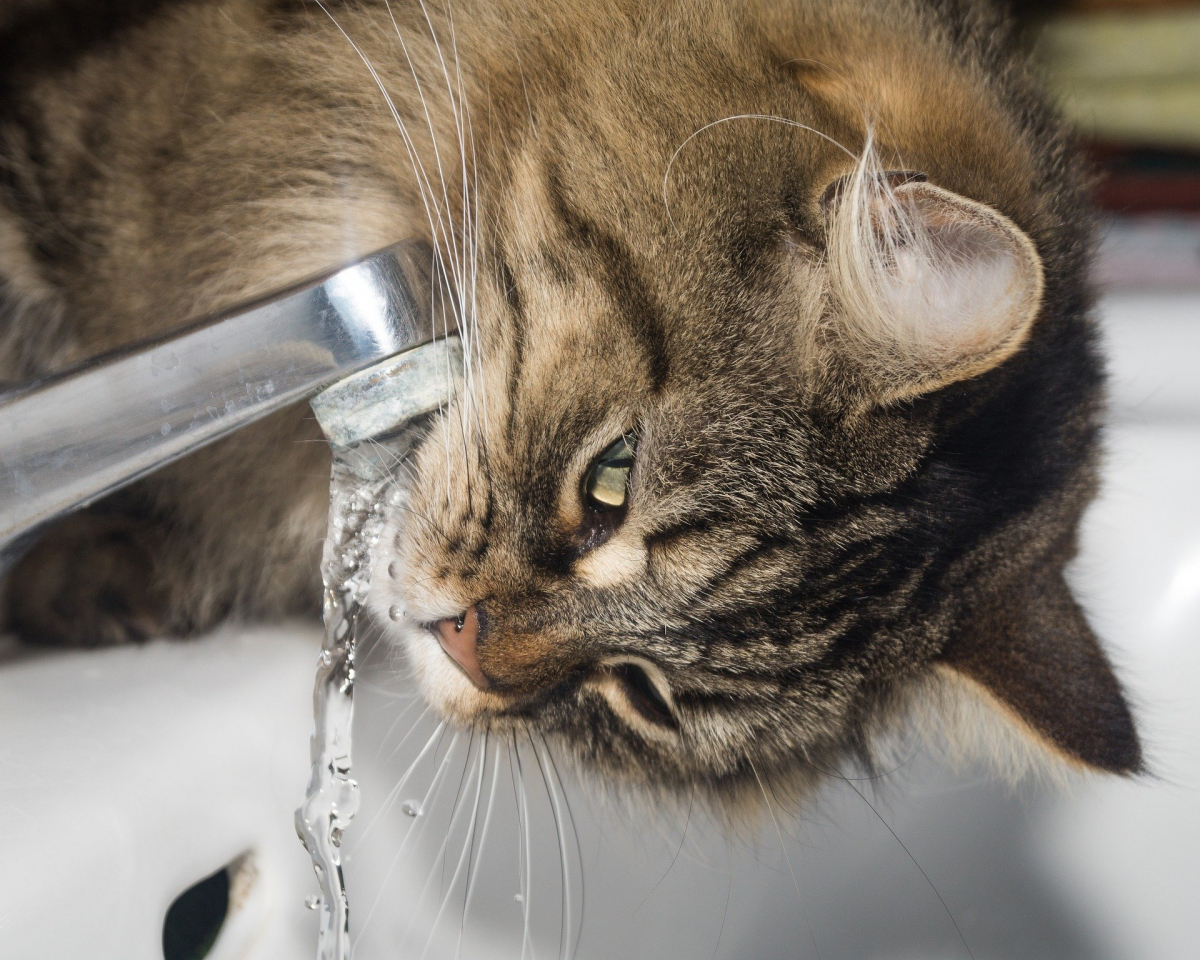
{"points": [[617, 562]]}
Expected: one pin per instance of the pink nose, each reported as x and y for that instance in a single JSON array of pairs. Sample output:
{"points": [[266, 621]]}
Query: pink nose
{"points": [[459, 637]]}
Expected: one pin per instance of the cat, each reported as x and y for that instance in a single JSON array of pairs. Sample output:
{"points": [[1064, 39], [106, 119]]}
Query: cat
{"points": [[783, 399]]}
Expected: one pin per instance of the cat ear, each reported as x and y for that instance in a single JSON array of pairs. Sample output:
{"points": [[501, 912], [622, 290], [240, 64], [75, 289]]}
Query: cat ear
{"points": [[931, 287], [1034, 656]]}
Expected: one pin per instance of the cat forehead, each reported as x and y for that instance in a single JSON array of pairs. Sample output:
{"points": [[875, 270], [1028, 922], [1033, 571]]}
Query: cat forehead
{"points": [[729, 105]]}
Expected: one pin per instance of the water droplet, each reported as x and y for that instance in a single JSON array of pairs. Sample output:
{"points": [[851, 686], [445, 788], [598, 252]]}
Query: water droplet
{"points": [[395, 611], [396, 497], [166, 428], [410, 808], [518, 898], [164, 359], [312, 902], [393, 569]]}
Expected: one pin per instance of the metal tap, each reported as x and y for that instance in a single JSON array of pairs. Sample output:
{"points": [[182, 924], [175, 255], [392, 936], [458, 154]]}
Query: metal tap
{"points": [[73, 438]]}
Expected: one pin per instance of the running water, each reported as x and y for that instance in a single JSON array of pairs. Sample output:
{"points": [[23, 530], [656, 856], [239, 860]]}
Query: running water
{"points": [[355, 518], [401, 391]]}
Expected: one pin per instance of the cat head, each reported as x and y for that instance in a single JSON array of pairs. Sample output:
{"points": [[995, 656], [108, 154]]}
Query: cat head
{"points": [[781, 400]]}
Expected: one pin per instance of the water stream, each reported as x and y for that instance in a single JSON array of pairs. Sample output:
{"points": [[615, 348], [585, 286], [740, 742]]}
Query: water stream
{"points": [[364, 484], [355, 519]]}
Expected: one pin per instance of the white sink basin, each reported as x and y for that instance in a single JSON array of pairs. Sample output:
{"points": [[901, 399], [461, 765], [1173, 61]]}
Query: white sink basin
{"points": [[131, 773]]}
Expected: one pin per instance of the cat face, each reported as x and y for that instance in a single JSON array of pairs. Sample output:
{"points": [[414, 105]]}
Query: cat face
{"points": [[762, 424]]}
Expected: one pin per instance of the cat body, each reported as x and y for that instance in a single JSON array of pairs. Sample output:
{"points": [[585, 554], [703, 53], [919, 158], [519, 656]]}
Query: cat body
{"points": [[815, 271]]}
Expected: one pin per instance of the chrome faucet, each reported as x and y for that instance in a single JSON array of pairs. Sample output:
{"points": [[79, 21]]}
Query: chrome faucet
{"points": [[73, 438]]}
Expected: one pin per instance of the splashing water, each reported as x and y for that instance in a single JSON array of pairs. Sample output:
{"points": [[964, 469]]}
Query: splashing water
{"points": [[363, 474]]}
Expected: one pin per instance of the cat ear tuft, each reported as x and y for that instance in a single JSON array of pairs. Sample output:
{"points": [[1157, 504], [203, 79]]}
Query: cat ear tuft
{"points": [[1032, 653], [930, 287]]}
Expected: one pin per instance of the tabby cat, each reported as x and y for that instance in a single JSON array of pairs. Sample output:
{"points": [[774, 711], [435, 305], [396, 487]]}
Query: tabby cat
{"points": [[783, 398]]}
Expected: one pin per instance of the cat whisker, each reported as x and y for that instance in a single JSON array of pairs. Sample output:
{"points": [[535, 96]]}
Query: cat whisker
{"points": [[523, 827], [578, 847], [468, 845], [725, 911], [437, 734], [679, 849], [437, 224], [564, 922], [443, 234], [428, 195], [416, 723], [414, 830], [472, 358], [932, 886], [487, 819], [389, 655], [434, 527], [740, 116], [456, 264], [455, 810], [463, 262]]}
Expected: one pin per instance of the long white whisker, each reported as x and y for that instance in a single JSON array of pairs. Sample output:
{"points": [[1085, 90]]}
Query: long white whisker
{"points": [[436, 223], [471, 880], [431, 792], [578, 848], [451, 241], [470, 205], [438, 733], [565, 918], [392, 729], [455, 810], [523, 818], [740, 116], [468, 848], [467, 269]]}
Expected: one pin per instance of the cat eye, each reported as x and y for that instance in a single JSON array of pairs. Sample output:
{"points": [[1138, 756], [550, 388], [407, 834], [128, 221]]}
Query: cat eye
{"points": [[606, 485]]}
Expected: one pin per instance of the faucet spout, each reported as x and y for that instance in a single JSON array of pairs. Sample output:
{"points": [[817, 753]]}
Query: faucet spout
{"points": [[69, 440]]}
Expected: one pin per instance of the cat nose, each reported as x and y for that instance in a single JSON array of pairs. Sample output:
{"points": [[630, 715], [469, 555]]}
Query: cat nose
{"points": [[460, 637]]}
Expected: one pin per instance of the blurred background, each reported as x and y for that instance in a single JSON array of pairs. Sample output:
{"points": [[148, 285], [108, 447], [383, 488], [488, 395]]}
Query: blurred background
{"points": [[1127, 73]]}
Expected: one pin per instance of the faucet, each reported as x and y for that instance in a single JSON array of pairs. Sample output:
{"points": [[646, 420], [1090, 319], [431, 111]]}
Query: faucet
{"points": [[70, 439]]}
